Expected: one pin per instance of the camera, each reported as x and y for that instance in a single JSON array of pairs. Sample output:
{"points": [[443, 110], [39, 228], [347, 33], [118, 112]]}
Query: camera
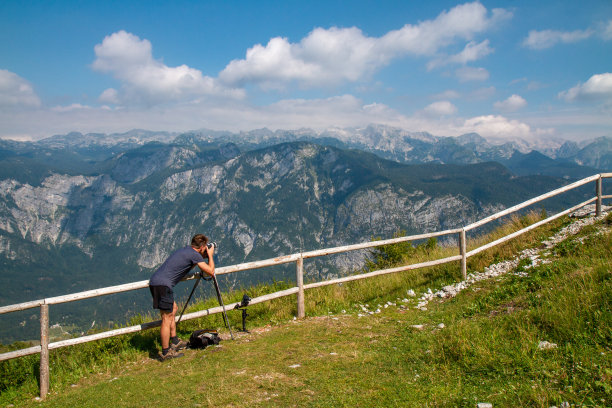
{"points": [[212, 245]]}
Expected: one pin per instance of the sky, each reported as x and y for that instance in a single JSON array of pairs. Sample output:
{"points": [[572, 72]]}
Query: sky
{"points": [[534, 70]]}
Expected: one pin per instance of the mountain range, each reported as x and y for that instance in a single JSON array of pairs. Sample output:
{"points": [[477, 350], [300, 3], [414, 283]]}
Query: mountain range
{"points": [[79, 212]]}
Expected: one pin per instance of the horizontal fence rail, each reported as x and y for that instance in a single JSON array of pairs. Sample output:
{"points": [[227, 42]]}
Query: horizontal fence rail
{"points": [[298, 259]]}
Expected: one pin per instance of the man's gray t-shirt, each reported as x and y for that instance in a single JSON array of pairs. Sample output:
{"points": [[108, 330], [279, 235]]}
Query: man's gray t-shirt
{"points": [[176, 267]]}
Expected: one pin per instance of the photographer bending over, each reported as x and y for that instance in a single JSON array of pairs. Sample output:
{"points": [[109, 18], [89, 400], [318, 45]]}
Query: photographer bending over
{"points": [[178, 264]]}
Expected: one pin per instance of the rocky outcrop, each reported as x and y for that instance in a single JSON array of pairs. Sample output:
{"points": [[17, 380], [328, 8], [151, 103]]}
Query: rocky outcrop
{"points": [[259, 204]]}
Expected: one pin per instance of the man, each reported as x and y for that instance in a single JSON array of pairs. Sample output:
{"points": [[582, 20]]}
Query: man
{"points": [[163, 281]]}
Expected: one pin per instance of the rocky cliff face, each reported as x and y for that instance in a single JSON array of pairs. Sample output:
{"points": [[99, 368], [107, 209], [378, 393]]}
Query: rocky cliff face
{"points": [[119, 224], [62, 231]]}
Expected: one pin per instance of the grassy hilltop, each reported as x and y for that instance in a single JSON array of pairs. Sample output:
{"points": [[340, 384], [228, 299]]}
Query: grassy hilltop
{"points": [[538, 335]]}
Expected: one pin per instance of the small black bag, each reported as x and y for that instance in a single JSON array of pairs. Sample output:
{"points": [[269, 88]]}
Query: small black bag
{"points": [[203, 338]]}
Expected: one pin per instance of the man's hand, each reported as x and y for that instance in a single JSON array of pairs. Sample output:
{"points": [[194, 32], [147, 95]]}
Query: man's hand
{"points": [[208, 268], [210, 251]]}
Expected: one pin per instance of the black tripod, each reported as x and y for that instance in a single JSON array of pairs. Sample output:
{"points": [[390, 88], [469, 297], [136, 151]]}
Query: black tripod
{"points": [[214, 279]]}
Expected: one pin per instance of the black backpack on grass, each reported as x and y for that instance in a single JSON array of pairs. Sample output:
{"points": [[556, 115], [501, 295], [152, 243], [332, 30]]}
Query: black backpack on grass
{"points": [[203, 338]]}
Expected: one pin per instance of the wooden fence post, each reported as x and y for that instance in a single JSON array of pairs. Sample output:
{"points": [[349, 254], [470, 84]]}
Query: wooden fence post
{"points": [[44, 350], [598, 193], [300, 284], [463, 252]]}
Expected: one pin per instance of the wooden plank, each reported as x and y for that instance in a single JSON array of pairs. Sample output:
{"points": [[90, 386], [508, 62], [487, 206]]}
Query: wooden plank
{"points": [[383, 272], [257, 264], [532, 201], [157, 323], [97, 336], [44, 351], [20, 353], [97, 292], [21, 306], [529, 228], [372, 244], [598, 195], [300, 284], [463, 253]]}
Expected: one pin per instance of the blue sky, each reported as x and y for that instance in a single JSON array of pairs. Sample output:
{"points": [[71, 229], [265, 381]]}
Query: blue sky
{"points": [[535, 70]]}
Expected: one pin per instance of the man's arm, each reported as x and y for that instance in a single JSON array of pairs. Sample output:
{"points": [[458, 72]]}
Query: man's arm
{"points": [[208, 268]]}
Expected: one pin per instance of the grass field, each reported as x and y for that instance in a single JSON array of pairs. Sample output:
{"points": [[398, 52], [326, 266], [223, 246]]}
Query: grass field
{"points": [[481, 346]]}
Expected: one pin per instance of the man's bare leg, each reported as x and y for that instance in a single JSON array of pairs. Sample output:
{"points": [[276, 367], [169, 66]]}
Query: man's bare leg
{"points": [[173, 321]]}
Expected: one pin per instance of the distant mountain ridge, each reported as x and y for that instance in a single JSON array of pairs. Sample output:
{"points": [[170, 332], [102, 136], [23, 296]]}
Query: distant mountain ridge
{"points": [[388, 142]]}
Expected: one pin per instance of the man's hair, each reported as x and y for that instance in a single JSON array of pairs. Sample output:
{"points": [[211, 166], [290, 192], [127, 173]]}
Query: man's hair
{"points": [[199, 240]]}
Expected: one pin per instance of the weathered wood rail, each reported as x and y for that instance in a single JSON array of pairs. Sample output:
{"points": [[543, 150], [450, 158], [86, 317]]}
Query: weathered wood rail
{"points": [[298, 258]]}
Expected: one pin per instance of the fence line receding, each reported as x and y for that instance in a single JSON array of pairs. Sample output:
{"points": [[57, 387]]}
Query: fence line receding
{"points": [[298, 259]]}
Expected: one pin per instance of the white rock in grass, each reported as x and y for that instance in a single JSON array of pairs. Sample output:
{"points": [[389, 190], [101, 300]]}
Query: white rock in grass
{"points": [[411, 293], [485, 405], [417, 326], [441, 326], [545, 345], [295, 366]]}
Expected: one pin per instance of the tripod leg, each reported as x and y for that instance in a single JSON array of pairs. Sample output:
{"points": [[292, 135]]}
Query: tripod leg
{"points": [[225, 319], [189, 298]]}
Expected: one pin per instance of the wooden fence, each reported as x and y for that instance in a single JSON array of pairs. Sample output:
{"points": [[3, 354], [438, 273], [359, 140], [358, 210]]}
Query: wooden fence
{"points": [[298, 258]]}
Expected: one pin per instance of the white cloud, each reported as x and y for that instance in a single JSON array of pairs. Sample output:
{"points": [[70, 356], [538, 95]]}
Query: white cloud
{"points": [[539, 40], [512, 104], [499, 127], [111, 96], [335, 55], [466, 74], [598, 87], [146, 80], [70, 108], [441, 108], [16, 91], [473, 51]]}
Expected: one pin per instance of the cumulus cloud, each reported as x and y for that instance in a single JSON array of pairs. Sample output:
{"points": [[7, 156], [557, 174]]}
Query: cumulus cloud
{"points": [[440, 108], [147, 80], [335, 55], [16, 91], [497, 127], [111, 96], [466, 74], [539, 40], [598, 87], [473, 51], [512, 104]]}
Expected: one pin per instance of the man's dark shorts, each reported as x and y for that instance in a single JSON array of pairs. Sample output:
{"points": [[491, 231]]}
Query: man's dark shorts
{"points": [[163, 298]]}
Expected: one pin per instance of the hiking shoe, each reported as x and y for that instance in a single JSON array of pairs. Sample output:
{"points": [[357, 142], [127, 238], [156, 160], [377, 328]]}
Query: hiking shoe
{"points": [[170, 355], [179, 346]]}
